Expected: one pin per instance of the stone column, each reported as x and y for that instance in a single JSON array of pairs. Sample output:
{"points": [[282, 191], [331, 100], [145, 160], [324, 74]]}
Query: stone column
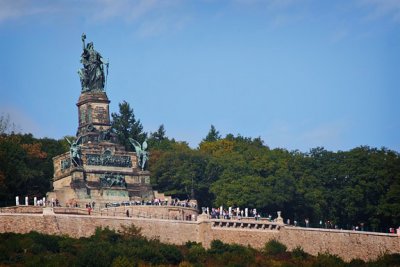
{"points": [[26, 201], [17, 201]]}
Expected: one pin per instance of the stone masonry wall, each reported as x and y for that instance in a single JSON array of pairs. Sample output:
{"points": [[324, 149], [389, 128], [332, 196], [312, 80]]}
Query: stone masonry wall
{"points": [[172, 231], [346, 244], [153, 211]]}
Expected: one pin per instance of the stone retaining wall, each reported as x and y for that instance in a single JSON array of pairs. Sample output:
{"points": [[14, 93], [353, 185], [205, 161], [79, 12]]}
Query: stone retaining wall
{"points": [[144, 211], [346, 244]]}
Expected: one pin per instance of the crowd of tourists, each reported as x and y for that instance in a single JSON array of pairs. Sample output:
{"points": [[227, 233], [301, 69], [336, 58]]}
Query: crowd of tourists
{"points": [[155, 202], [235, 213]]}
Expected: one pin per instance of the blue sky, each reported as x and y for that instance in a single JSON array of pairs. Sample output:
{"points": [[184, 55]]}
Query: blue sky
{"points": [[299, 74]]}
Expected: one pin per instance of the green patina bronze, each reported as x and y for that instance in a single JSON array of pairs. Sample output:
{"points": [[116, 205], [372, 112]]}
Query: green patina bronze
{"points": [[65, 164], [107, 159], [75, 152], [112, 179], [116, 193], [92, 74], [141, 152]]}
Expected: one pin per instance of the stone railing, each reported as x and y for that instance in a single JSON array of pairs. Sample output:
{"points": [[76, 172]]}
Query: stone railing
{"points": [[246, 224], [22, 209], [149, 212], [72, 211], [155, 212], [343, 231]]}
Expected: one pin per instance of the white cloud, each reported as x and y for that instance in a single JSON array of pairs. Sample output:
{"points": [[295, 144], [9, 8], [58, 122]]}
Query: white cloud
{"points": [[329, 134], [306, 135], [151, 17], [382, 9], [277, 13], [15, 9], [339, 35], [95, 9], [17, 118], [160, 25], [131, 10], [270, 4]]}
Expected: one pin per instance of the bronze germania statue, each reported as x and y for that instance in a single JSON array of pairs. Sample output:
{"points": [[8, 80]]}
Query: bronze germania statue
{"points": [[92, 74]]}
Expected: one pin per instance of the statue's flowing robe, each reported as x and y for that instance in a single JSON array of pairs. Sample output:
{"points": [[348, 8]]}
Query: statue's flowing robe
{"points": [[93, 71]]}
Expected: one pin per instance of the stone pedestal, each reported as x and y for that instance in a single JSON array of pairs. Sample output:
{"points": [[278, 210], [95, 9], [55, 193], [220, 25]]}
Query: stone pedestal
{"points": [[105, 172]]}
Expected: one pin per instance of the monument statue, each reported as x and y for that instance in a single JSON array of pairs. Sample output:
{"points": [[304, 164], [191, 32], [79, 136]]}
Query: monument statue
{"points": [[97, 167], [141, 152], [75, 152], [92, 74]]}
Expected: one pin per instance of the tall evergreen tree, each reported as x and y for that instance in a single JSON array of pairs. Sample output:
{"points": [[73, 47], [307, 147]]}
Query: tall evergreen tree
{"points": [[158, 140], [159, 135], [213, 135], [126, 126]]}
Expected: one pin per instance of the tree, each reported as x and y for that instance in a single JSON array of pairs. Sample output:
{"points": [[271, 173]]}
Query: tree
{"points": [[22, 168], [126, 126], [213, 135], [5, 125], [159, 135], [184, 173], [159, 141]]}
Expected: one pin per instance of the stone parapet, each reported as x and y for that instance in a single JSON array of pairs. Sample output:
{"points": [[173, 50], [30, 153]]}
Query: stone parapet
{"points": [[246, 225], [346, 244], [22, 209]]}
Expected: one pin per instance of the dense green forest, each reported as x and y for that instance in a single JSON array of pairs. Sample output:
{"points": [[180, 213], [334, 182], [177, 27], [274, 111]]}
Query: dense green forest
{"points": [[347, 188], [129, 248]]}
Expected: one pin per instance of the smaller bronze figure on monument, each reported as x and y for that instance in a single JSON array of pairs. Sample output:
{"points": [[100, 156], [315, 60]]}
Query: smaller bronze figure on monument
{"points": [[75, 152], [141, 152], [92, 74]]}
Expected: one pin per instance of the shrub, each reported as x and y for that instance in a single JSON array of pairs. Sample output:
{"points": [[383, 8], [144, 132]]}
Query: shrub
{"points": [[218, 247], [4, 252], [185, 264], [37, 248], [357, 263], [105, 234], [190, 244], [48, 260], [231, 255], [328, 260], [45, 242], [12, 243], [171, 253], [299, 253], [149, 254], [196, 254], [274, 247], [95, 254], [121, 261], [67, 245], [131, 231], [387, 260]]}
